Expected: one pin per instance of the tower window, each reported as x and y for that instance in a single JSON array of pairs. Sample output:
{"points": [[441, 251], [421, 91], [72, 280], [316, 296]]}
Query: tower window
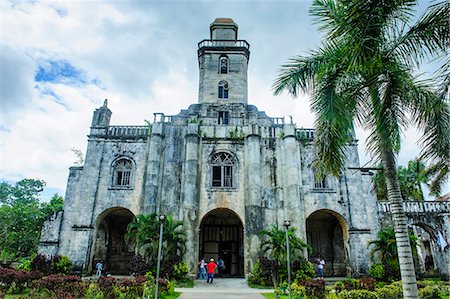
{"points": [[320, 183], [222, 170], [223, 65], [223, 118], [122, 173], [223, 90]]}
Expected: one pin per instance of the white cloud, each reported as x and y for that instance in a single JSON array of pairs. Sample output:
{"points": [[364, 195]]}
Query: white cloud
{"points": [[142, 57]]}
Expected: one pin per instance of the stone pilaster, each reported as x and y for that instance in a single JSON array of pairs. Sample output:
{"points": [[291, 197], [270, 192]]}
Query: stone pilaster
{"points": [[152, 181], [190, 195]]}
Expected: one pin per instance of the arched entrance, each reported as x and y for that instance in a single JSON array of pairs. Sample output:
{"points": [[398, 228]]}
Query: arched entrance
{"points": [[222, 234], [423, 259], [110, 246], [326, 233]]}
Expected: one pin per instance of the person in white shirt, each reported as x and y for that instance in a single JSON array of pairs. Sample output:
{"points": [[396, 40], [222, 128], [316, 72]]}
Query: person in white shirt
{"points": [[320, 266]]}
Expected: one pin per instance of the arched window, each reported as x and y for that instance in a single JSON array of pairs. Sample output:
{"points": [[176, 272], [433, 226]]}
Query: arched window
{"points": [[122, 173], [223, 90], [222, 170], [320, 182], [223, 65]]}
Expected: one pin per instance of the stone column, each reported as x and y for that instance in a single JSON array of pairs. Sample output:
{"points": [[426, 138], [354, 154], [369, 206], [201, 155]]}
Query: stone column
{"points": [[253, 210], [293, 203], [190, 196], [152, 180]]}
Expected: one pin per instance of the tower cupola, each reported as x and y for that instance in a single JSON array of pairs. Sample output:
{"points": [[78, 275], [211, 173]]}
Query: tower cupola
{"points": [[223, 29], [223, 64]]}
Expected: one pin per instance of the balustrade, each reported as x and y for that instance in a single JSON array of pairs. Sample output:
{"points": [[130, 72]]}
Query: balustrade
{"points": [[417, 207]]}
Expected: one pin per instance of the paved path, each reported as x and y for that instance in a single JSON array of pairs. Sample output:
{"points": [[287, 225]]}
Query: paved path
{"points": [[226, 288]]}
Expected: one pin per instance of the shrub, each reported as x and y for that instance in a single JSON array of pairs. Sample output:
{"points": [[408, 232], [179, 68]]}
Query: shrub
{"points": [[180, 271], [367, 283], [347, 285], [377, 271], [358, 294], [387, 293], [53, 281], [41, 263], [106, 285], [94, 292], [303, 270], [25, 264], [313, 288], [52, 265], [18, 278], [62, 264], [139, 265], [429, 292]]}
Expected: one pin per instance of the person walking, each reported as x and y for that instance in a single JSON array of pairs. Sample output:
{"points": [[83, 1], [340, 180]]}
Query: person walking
{"points": [[202, 269], [211, 268], [220, 266], [99, 267], [320, 266]]}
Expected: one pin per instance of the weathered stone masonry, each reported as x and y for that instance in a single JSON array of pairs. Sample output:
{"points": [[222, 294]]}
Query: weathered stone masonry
{"points": [[224, 167]]}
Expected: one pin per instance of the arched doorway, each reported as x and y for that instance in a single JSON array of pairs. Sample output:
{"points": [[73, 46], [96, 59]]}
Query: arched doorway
{"points": [[326, 233], [110, 246], [222, 234], [425, 245]]}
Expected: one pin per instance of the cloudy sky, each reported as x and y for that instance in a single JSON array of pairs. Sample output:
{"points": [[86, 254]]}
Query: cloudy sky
{"points": [[60, 59]]}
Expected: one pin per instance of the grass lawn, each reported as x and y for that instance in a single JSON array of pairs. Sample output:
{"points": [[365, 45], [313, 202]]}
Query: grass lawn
{"points": [[173, 296], [186, 283], [272, 296]]}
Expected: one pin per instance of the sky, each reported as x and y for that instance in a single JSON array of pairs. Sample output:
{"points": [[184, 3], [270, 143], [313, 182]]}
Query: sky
{"points": [[59, 60]]}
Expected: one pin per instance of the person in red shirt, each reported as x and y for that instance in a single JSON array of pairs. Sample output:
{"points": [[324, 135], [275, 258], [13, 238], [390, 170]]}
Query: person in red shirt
{"points": [[211, 268]]}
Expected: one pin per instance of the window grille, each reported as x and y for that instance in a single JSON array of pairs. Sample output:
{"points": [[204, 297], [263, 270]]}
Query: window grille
{"points": [[122, 173], [222, 170]]}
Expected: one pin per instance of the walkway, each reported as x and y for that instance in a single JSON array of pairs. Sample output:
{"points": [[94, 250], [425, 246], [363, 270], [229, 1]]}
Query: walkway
{"points": [[226, 288]]}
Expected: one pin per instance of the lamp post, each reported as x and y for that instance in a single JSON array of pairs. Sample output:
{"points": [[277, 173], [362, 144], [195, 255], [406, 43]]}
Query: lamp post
{"points": [[161, 219], [286, 224]]}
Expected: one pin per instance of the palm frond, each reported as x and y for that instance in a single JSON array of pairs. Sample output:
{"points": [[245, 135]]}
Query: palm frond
{"points": [[428, 37]]}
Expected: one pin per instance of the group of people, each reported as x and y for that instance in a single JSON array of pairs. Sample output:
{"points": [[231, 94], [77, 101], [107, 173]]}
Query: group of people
{"points": [[207, 270]]}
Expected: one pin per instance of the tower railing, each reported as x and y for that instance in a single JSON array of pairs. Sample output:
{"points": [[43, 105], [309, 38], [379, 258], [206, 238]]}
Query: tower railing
{"points": [[238, 43], [128, 131]]}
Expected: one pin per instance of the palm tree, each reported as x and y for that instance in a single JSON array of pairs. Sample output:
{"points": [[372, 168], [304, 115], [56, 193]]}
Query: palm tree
{"points": [[144, 231], [363, 72], [275, 244], [410, 180]]}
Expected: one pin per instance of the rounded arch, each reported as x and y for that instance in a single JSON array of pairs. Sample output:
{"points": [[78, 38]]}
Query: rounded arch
{"points": [[327, 234], [109, 240], [424, 255], [222, 236]]}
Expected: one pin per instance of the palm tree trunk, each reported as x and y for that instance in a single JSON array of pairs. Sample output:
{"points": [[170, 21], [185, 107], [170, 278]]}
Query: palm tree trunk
{"points": [[405, 257]]}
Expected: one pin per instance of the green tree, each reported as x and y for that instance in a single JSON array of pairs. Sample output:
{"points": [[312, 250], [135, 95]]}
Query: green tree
{"points": [[385, 249], [410, 179], [363, 72], [22, 216], [144, 231]]}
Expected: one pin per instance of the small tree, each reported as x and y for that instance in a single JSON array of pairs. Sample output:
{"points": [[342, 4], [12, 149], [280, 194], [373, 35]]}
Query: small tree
{"points": [[274, 246], [144, 231]]}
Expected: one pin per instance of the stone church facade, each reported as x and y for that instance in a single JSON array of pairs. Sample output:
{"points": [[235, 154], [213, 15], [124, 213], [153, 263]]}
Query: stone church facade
{"points": [[224, 167]]}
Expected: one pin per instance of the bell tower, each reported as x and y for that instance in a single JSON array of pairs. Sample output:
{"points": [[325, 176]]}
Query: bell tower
{"points": [[223, 63]]}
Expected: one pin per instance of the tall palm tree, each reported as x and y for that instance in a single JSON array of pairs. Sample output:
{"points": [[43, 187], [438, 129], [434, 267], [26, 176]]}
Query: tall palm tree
{"points": [[363, 72]]}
